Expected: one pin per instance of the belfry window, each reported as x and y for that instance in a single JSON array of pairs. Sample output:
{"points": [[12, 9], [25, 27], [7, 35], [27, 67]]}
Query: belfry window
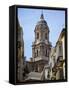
{"points": [[45, 35], [37, 35], [46, 53], [37, 52], [60, 50]]}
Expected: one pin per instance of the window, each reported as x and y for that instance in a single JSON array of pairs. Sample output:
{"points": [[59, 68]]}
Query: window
{"points": [[46, 53], [45, 35], [43, 50], [37, 35], [37, 52]]}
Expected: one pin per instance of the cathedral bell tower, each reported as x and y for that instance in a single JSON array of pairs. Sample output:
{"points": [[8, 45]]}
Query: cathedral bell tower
{"points": [[41, 46]]}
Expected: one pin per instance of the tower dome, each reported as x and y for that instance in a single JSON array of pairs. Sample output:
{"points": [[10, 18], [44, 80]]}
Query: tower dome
{"points": [[42, 24]]}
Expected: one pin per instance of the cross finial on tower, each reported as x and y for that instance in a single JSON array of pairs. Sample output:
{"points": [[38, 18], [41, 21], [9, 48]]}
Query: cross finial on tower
{"points": [[42, 17]]}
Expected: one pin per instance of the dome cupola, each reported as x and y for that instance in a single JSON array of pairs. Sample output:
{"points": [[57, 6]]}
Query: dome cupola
{"points": [[42, 24]]}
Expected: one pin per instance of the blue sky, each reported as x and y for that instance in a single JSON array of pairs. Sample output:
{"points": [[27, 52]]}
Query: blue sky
{"points": [[28, 19]]}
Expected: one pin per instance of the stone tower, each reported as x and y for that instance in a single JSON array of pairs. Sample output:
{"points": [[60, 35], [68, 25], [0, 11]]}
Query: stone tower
{"points": [[20, 48], [41, 46]]}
